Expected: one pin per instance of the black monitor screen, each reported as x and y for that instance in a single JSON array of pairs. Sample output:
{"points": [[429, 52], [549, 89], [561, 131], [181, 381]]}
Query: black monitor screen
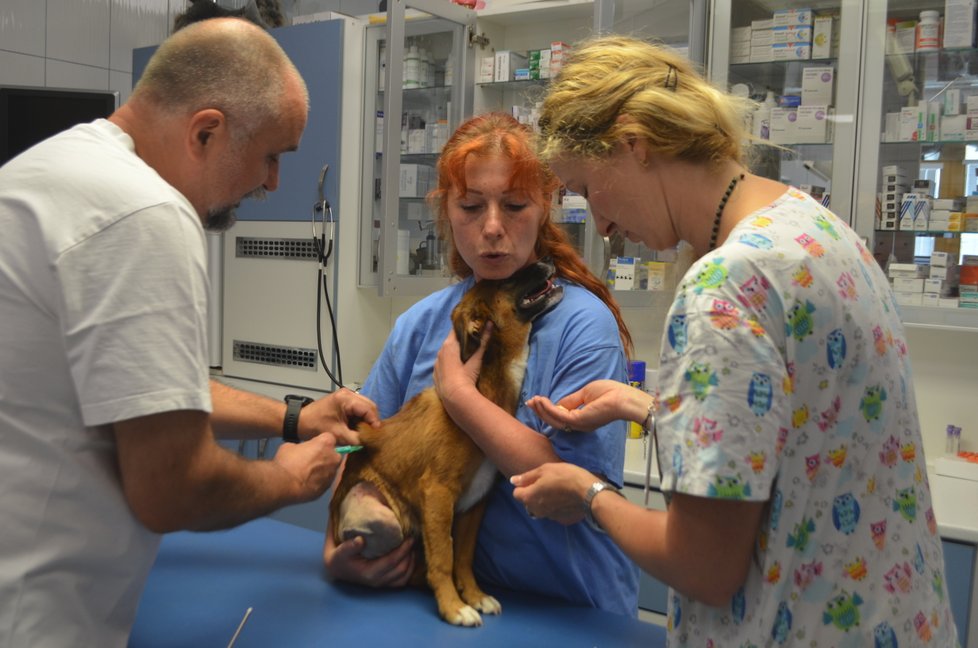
{"points": [[29, 115]]}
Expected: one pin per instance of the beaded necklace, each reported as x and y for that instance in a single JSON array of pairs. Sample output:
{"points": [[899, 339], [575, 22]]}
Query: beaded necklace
{"points": [[723, 203]]}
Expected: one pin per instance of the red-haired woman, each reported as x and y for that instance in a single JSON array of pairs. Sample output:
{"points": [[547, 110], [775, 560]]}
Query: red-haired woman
{"points": [[492, 205]]}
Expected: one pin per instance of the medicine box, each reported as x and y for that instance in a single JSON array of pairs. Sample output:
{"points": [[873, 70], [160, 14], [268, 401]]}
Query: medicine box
{"points": [[486, 67], [811, 126], [959, 23], [822, 28], [792, 34], [901, 284], [817, 84], [791, 51], [909, 270], [625, 273], [507, 62], [415, 180], [909, 299], [763, 23], [740, 34], [792, 17]]}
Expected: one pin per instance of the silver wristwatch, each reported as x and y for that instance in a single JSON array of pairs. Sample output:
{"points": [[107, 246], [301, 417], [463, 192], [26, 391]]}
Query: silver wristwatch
{"points": [[596, 488]]}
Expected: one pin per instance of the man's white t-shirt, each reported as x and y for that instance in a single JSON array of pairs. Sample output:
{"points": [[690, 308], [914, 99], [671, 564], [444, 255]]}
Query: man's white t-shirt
{"points": [[103, 310]]}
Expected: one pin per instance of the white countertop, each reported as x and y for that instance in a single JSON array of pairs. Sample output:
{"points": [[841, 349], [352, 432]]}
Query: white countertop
{"points": [[955, 500]]}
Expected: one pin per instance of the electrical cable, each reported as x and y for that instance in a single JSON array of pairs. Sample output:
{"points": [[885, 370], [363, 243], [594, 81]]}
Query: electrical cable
{"points": [[324, 250]]}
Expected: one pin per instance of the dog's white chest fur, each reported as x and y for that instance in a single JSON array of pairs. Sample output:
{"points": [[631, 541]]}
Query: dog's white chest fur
{"points": [[480, 485], [486, 474]]}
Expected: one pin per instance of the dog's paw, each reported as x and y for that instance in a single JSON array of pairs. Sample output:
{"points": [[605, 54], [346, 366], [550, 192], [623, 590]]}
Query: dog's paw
{"points": [[466, 616], [489, 605]]}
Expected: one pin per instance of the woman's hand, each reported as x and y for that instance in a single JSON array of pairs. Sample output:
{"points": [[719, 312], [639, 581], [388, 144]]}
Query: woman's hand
{"points": [[453, 378], [345, 562], [597, 403], [554, 491]]}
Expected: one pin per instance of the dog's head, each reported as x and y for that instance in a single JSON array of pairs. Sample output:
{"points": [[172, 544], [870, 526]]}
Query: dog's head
{"points": [[510, 304]]}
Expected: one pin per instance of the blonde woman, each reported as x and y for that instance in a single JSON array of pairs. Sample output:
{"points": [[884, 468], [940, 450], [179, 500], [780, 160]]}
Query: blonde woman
{"points": [[786, 425]]}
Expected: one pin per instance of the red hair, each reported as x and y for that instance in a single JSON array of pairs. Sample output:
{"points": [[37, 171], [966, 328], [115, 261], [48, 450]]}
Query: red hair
{"points": [[500, 134]]}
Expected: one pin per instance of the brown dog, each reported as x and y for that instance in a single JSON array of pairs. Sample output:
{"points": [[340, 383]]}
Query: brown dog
{"points": [[428, 470]]}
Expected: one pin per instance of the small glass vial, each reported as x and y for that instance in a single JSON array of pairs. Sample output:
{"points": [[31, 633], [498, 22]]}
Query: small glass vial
{"points": [[953, 443]]}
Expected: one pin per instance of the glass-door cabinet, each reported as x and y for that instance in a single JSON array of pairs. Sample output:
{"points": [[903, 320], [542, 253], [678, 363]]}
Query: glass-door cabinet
{"points": [[417, 89], [917, 187], [800, 62]]}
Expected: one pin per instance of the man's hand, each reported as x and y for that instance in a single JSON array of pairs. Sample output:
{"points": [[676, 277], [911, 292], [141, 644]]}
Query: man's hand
{"points": [[312, 464], [338, 414]]}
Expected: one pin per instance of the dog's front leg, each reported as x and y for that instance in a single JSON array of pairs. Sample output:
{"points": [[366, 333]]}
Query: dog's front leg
{"points": [[466, 535], [438, 507]]}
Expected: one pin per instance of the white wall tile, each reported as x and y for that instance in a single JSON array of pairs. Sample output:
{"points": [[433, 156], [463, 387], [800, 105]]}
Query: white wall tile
{"points": [[136, 23], [22, 26], [21, 69], [61, 74], [121, 82], [78, 31]]}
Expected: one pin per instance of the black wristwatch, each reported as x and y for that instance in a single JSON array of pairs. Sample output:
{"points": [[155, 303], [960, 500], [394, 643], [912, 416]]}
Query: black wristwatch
{"points": [[290, 428]]}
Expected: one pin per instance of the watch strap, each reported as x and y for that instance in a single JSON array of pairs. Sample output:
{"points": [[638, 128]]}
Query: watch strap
{"points": [[290, 427], [596, 488]]}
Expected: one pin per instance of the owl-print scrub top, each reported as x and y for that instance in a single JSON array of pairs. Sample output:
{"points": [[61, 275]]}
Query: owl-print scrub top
{"points": [[785, 377]]}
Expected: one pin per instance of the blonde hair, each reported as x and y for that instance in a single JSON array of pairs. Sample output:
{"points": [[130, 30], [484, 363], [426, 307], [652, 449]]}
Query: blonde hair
{"points": [[670, 105], [224, 63]]}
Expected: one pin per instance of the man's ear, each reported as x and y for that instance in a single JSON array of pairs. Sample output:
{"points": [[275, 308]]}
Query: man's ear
{"points": [[206, 128]]}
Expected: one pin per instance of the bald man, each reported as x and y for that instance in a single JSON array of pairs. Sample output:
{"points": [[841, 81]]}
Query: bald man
{"points": [[107, 417]]}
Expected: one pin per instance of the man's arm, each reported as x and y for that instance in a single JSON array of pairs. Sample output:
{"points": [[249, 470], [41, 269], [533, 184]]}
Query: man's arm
{"points": [[244, 415], [176, 477]]}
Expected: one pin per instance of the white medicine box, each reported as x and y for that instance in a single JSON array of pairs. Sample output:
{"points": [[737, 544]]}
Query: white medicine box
{"points": [[817, 85]]}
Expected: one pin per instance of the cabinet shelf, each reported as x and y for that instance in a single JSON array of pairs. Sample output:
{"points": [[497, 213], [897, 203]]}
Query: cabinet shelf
{"points": [[773, 74], [953, 319], [515, 85]]}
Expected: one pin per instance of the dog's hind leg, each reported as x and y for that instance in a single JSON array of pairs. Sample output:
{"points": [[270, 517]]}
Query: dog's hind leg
{"points": [[438, 506], [466, 535], [363, 512]]}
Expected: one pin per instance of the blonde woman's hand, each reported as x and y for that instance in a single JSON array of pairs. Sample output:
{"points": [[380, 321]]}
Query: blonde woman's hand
{"points": [[597, 403]]}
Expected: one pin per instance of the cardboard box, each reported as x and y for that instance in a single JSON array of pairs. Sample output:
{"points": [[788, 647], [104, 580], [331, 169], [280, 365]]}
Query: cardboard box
{"points": [[822, 29], [907, 270], [782, 125], [487, 66], [791, 34], [908, 124], [792, 17], [959, 23], [507, 62], [740, 34], [811, 125], [791, 51], [905, 285], [817, 83], [760, 37], [909, 299], [415, 180], [625, 273]]}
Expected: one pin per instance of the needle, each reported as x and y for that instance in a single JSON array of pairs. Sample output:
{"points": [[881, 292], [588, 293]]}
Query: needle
{"points": [[347, 449], [240, 625]]}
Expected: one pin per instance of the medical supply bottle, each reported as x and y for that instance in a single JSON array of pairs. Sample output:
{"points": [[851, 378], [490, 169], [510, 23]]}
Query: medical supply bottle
{"points": [[636, 378], [929, 31], [762, 117], [412, 68]]}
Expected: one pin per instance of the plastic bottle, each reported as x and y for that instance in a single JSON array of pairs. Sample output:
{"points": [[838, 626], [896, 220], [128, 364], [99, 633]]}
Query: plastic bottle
{"points": [[929, 31], [761, 126], [412, 68], [636, 378]]}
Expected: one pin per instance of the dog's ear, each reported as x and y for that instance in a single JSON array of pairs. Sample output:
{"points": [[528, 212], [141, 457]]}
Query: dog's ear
{"points": [[468, 330]]}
